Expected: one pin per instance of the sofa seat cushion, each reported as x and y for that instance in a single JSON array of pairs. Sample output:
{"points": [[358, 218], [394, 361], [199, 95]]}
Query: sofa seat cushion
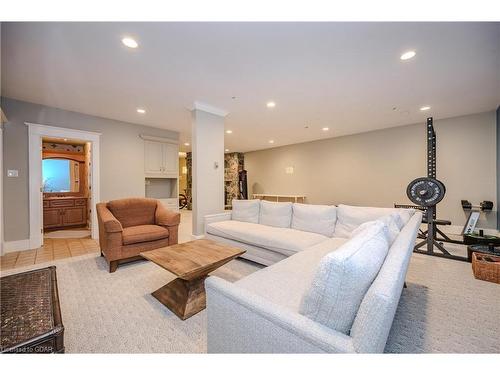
{"points": [[284, 283], [343, 277], [351, 217], [282, 240], [143, 233]]}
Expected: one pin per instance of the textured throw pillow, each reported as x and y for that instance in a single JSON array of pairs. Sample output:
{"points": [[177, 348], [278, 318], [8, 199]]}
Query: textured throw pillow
{"points": [[391, 227], [405, 215], [314, 218], [246, 210], [343, 277], [350, 217], [275, 214]]}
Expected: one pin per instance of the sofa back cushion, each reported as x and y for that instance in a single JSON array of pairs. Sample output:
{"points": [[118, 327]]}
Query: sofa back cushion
{"points": [[134, 211], [351, 217], [391, 227], [314, 218], [343, 278], [246, 210], [275, 214]]}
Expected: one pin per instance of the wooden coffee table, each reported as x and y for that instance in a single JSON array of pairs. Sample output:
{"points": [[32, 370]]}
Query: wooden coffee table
{"points": [[191, 262]]}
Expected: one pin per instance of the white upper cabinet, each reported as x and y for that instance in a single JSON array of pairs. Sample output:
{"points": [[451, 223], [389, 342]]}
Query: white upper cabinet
{"points": [[153, 158], [161, 159], [171, 159]]}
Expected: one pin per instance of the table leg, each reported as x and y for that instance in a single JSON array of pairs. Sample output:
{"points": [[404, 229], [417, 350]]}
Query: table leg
{"points": [[183, 297]]}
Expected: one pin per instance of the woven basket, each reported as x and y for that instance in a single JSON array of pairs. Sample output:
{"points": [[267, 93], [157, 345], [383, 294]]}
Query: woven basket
{"points": [[484, 269]]}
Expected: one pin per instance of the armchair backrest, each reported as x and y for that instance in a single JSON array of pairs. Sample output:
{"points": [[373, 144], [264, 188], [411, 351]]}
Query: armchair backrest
{"points": [[134, 211]]}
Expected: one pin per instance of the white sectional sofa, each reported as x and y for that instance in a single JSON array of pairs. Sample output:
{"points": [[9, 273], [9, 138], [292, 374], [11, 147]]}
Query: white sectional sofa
{"points": [[333, 283]]}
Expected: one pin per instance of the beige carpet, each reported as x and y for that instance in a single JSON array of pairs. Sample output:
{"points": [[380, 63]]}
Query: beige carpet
{"points": [[444, 309]]}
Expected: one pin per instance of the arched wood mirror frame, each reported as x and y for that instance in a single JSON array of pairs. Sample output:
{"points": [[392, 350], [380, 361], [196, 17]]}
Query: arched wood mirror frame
{"points": [[81, 177]]}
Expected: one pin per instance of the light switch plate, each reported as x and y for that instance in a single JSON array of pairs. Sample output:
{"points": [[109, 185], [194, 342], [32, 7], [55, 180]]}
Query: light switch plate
{"points": [[12, 173]]}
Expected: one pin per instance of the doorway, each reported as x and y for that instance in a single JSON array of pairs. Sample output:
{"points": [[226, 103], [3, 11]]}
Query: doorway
{"points": [[64, 183], [66, 188]]}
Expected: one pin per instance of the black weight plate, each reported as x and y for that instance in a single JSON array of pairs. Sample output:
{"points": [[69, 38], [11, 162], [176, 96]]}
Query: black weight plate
{"points": [[426, 191]]}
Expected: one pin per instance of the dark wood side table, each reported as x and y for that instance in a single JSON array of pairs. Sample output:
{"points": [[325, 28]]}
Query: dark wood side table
{"points": [[30, 313], [483, 249]]}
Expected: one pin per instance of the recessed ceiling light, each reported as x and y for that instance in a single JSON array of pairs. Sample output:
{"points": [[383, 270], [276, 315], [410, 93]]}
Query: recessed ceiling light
{"points": [[129, 42], [186, 144], [408, 55], [229, 131], [141, 110], [271, 141], [425, 108], [325, 129], [226, 150], [271, 104]]}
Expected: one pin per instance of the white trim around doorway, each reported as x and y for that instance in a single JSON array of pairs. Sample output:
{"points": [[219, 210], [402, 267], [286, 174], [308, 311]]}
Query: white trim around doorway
{"points": [[35, 134]]}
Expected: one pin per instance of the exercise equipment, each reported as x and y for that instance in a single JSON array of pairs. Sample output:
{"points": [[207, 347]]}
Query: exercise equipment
{"points": [[483, 206], [242, 185], [427, 192]]}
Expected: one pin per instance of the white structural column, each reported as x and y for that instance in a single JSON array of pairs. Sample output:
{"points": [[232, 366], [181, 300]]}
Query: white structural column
{"points": [[207, 146]]}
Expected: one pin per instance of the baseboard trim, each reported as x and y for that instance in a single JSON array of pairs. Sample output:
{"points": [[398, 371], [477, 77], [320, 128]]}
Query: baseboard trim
{"points": [[199, 237], [20, 245]]}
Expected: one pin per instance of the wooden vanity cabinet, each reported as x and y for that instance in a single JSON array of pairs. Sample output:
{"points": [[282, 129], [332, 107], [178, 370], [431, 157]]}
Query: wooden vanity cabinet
{"points": [[64, 212]]}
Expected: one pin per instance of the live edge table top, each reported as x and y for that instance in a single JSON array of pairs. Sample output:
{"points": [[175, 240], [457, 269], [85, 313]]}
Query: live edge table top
{"points": [[194, 259]]}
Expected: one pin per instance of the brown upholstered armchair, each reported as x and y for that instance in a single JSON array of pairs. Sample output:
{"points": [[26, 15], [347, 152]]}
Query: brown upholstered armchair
{"points": [[130, 226]]}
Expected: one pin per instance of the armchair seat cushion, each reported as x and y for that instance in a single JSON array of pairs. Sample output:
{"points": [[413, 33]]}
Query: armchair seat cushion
{"points": [[144, 233]]}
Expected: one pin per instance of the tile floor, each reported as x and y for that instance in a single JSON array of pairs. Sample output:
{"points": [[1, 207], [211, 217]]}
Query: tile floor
{"points": [[52, 249]]}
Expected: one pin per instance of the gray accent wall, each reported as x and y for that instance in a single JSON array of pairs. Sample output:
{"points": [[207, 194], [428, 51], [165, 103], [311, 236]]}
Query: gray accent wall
{"points": [[121, 157], [374, 168]]}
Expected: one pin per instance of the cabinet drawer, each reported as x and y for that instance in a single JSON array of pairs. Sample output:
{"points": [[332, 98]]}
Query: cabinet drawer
{"points": [[62, 203], [170, 204], [80, 202]]}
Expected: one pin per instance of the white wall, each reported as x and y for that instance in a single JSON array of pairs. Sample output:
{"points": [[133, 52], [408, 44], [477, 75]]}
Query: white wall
{"points": [[121, 155], [374, 168]]}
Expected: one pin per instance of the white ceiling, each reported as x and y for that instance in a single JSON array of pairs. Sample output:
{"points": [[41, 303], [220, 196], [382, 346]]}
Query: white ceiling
{"points": [[345, 76]]}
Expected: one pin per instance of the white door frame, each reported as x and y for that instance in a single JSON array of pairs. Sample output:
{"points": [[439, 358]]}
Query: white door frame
{"points": [[35, 134]]}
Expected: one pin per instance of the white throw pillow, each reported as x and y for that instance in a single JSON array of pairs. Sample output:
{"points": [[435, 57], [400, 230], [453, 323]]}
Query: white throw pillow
{"points": [[246, 210], [351, 217], [314, 218], [391, 227], [275, 214], [405, 215], [343, 277]]}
